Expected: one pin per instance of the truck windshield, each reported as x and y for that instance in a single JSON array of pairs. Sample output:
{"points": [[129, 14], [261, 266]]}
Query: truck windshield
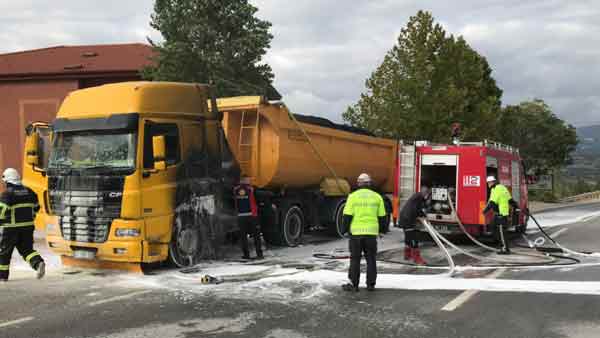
{"points": [[94, 149]]}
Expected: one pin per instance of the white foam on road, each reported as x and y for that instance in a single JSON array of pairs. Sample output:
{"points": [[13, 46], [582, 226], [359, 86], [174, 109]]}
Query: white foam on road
{"points": [[561, 217]]}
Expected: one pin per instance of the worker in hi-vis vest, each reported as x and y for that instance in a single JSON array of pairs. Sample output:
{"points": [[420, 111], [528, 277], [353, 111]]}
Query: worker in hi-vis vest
{"points": [[18, 206], [364, 215], [500, 202]]}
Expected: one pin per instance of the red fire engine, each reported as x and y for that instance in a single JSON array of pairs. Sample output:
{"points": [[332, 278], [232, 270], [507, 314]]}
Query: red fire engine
{"points": [[459, 171]]}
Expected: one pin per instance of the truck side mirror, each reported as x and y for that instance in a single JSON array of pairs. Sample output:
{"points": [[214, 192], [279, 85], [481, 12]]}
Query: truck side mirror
{"points": [[31, 149], [159, 152]]}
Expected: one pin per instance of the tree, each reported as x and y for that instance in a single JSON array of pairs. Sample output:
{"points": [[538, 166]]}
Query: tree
{"points": [[214, 40], [546, 142], [426, 82]]}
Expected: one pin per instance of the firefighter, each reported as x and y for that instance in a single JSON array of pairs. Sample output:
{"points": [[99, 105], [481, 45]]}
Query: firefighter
{"points": [[247, 210], [500, 201], [364, 215], [413, 209], [18, 206]]}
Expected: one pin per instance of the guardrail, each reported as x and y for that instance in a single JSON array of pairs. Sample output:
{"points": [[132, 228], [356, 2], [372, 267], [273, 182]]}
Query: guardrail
{"points": [[587, 196]]}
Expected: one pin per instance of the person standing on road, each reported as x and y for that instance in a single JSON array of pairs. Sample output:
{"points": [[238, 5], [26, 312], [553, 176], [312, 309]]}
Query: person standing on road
{"points": [[413, 209], [247, 211], [500, 202], [364, 215], [18, 206]]}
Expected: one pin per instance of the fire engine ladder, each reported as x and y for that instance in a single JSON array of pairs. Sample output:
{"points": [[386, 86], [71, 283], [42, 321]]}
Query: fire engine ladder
{"points": [[407, 177], [247, 144]]}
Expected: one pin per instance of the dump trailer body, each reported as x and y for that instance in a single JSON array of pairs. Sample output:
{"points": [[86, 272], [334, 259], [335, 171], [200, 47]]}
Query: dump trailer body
{"points": [[276, 154]]}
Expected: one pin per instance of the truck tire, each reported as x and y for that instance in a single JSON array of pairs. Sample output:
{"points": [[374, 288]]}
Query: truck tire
{"points": [[336, 228], [184, 247], [287, 232]]}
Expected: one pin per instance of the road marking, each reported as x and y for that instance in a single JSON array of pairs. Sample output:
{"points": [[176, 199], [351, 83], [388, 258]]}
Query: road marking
{"points": [[108, 300], [557, 233], [466, 295], [16, 322]]}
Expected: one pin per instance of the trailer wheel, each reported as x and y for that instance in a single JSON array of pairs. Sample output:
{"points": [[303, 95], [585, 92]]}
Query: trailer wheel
{"points": [[337, 227], [185, 244], [293, 226]]}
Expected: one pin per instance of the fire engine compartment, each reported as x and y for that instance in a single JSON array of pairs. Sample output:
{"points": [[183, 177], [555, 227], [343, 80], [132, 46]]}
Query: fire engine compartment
{"points": [[442, 181]]}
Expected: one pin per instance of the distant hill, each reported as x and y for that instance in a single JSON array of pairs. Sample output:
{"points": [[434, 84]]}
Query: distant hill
{"points": [[586, 159], [589, 140]]}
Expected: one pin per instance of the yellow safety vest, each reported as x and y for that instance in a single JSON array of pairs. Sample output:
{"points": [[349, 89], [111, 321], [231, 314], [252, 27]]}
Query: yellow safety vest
{"points": [[365, 206], [501, 196]]}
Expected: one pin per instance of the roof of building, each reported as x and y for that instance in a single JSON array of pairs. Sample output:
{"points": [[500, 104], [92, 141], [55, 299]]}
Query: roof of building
{"points": [[75, 61]]}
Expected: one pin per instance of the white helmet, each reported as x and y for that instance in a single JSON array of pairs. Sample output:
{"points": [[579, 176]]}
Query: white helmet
{"points": [[491, 179], [11, 175], [363, 179]]}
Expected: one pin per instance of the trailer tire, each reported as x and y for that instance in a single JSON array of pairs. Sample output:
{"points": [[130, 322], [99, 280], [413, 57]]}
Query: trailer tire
{"points": [[287, 232], [336, 228]]}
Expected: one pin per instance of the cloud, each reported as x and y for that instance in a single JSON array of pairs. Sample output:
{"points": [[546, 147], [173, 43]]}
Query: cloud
{"points": [[323, 51]]}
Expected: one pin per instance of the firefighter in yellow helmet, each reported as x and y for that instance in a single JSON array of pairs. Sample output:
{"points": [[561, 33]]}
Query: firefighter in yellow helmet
{"points": [[500, 202], [18, 206], [364, 215]]}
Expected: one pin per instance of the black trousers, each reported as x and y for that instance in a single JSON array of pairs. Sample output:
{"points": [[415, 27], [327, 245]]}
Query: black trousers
{"points": [[22, 239], [411, 238], [249, 226], [500, 223], [366, 245]]}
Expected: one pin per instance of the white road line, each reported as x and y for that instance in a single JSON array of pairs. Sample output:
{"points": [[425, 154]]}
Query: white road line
{"points": [[16, 322], [108, 300], [557, 233], [466, 295]]}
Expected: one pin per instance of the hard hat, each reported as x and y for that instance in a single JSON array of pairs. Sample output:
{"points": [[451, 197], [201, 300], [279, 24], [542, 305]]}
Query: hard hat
{"points": [[491, 179], [363, 178], [11, 175]]}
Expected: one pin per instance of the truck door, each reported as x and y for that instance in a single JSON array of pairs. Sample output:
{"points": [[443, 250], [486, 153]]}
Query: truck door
{"points": [[34, 174], [158, 186]]}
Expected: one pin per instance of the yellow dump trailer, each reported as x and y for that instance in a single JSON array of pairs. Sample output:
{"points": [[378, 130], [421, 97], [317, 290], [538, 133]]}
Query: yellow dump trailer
{"points": [[275, 153]]}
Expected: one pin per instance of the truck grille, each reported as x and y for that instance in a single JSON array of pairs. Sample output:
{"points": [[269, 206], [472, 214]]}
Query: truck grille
{"points": [[86, 205]]}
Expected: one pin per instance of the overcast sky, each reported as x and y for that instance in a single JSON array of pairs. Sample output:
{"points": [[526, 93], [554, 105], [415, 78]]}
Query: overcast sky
{"points": [[323, 50]]}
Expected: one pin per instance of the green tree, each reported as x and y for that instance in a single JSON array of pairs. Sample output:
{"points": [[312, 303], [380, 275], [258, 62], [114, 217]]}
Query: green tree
{"points": [[216, 40], [426, 82], [545, 141]]}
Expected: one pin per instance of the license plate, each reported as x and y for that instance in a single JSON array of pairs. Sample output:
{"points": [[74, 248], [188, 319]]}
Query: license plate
{"points": [[442, 229], [84, 254]]}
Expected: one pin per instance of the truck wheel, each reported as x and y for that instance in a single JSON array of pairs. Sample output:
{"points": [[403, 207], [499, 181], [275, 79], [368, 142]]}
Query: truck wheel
{"points": [[185, 244], [293, 226], [337, 227]]}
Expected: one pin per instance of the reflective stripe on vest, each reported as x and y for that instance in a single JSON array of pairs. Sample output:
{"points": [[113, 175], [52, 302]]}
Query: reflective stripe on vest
{"points": [[3, 209], [13, 222], [4, 267]]}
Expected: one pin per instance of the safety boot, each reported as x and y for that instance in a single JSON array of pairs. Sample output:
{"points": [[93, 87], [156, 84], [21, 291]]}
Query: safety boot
{"points": [[416, 256], [407, 253], [41, 270]]}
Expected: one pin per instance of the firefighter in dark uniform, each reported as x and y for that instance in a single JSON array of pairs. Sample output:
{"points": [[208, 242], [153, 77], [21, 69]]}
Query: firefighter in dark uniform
{"points": [[500, 202], [247, 210], [18, 206], [364, 215], [413, 209]]}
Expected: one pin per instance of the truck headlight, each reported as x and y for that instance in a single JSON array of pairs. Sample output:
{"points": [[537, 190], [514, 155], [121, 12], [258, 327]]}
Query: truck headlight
{"points": [[127, 232]]}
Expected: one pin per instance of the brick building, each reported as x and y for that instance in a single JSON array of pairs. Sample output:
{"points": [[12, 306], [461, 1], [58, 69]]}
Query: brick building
{"points": [[33, 84]]}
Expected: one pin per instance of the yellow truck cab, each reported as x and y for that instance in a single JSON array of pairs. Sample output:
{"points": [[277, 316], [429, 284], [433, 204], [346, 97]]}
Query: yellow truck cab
{"points": [[108, 185]]}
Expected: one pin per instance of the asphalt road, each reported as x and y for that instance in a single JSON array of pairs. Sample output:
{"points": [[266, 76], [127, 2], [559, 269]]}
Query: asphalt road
{"points": [[103, 305]]}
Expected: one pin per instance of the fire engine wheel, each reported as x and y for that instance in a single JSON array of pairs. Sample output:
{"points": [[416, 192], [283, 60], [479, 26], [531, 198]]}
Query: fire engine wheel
{"points": [[185, 244]]}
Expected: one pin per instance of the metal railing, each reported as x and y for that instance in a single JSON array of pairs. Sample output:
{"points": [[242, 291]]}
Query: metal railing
{"points": [[582, 197]]}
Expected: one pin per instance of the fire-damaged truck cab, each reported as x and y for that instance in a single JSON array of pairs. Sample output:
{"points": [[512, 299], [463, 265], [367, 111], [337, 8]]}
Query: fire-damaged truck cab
{"points": [[457, 174]]}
